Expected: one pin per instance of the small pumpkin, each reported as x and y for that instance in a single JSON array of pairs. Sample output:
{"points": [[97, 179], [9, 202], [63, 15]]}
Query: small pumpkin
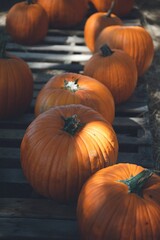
{"points": [[27, 22], [63, 147], [116, 70], [16, 84], [64, 13], [120, 202], [96, 22], [121, 8], [74, 88], [134, 40]]}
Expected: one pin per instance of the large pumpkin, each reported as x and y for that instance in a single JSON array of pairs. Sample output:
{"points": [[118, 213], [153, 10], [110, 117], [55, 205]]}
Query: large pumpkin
{"points": [[63, 147], [120, 202], [116, 70], [74, 88], [16, 85], [95, 23], [64, 13], [121, 8], [134, 40], [27, 22]]}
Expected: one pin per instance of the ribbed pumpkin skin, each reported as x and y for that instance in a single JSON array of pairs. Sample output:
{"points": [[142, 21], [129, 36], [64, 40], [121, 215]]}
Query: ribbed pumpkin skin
{"points": [[106, 210], [94, 25], [90, 93], [64, 13], [134, 40], [16, 87], [121, 8], [57, 163], [117, 71], [27, 23]]}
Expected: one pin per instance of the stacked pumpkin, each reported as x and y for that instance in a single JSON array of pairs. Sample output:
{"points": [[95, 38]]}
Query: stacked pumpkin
{"points": [[121, 53]]}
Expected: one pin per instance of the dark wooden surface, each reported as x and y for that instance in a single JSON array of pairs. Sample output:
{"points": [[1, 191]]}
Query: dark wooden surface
{"points": [[23, 213]]}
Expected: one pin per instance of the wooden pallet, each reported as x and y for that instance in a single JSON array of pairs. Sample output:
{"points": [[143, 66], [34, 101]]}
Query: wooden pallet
{"points": [[23, 213]]}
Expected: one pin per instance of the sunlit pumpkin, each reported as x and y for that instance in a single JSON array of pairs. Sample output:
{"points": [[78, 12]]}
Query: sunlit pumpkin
{"points": [[121, 8], [95, 23], [63, 147], [116, 70], [134, 40], [120, 202], [74, 88], [27, 22], [65, 13], [16, 84]]}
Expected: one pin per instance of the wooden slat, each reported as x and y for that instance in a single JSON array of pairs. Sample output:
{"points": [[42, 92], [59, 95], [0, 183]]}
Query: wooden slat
{"points": [[36, 208], [24, 228], [52, 57], [48, 48]]}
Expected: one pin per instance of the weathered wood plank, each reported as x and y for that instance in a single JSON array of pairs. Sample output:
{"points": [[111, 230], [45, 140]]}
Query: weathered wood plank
{"points": [[36, 208], [48, 48], [27, 228], [52, 57]]}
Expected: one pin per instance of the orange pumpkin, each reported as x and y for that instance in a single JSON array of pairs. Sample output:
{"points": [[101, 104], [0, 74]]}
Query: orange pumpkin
{"points": [[120, 202], [121, 8], [134, 40], [27, 22], [64, 13], [95, 23], [116, 70], [16, 85], [74, 88], [63, 147]]}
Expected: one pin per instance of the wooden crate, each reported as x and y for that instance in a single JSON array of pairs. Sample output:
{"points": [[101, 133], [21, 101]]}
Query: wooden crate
{"points": [[23, 213]]}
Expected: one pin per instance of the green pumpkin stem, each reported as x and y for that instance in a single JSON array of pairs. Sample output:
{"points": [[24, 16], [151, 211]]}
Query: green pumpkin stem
{"points": [[106, 51], [72, 124], [110, 9], [135, 184]]}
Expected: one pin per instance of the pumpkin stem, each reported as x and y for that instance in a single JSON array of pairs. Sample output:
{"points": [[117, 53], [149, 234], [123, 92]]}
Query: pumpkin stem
{"points": [[106, 51], [110, 9], [136, 183], [72, 124], [71, 85], [3, 43]]}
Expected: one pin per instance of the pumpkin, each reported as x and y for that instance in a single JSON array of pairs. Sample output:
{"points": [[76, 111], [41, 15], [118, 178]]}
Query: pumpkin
{"points": [[96, 22], [16, 84], [116, 70], [27, 22], [63, 147], [74, 88], [65, 13], [120, 202], [121, 8], [134, 40]]}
